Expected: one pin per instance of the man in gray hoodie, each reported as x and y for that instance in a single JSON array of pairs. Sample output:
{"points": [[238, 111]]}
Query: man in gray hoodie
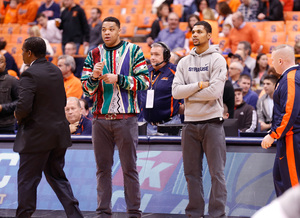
{"points": [[199, 80]]}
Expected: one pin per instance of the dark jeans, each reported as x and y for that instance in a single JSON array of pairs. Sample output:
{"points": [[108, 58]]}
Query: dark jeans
{"points": [[197, 140], [30, 174], [123, 133]]}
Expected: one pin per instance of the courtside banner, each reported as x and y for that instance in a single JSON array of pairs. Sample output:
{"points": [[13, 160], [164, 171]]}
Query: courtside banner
{"points": [[163, 187]]}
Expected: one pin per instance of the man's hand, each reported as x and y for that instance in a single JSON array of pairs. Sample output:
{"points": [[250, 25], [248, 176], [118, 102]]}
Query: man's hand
{"points": [[267, 142], [264, 126], [98, 69], [181, 109], [109, 78], [73, 127], [261, 16], [0, 107], [203, 84]]}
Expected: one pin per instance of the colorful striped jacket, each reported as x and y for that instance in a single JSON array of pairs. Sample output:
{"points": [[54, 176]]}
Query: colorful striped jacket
{"points": [[126, 60], [286, 112]]}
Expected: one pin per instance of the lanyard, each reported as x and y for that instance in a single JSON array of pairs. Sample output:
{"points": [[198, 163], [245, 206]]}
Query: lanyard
{"points": [[152, 83]]}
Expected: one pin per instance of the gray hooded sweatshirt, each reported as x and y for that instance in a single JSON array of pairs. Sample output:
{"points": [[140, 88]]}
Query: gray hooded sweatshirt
{"points": [[207, 103]]}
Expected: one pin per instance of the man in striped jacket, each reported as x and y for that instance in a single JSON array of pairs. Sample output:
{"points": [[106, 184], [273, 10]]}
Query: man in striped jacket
{"points": [[286, 120], [112, 75]]}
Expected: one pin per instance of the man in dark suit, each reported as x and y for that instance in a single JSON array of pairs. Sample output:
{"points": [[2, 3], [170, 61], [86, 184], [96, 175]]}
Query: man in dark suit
{"points": [[43, 134]]}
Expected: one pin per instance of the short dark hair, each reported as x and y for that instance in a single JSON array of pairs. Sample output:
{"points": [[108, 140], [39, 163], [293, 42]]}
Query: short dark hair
{"points": [[245, 76], [41, 15], [272, 78], [86, 105], [2, 44], [247, 46], [98, 10], [206, 25], [36, 45], [112, 19]]}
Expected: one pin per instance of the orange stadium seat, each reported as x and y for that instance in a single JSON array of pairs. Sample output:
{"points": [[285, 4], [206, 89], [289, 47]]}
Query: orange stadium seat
{"points": [[261, 35], [292, 15], [19, 60], [57, 49], [293, 36], [24, 29], [14, 48], [292, 26], [183, 26], [145, 48], [276, 37], [18, 38], [274, 26], [215, 30], [222, 42], [6, 37], [129, 18], [148, 9], [259, 26], [121, 3], [127, 30], [100, 3], [146, 20], [111, 10], [178, 9], [10, 29], [269, 46], [87, 10], [136, 2], [134, 9]]}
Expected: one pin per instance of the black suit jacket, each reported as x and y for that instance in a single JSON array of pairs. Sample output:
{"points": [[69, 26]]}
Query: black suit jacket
{"points": [[40, 110]]}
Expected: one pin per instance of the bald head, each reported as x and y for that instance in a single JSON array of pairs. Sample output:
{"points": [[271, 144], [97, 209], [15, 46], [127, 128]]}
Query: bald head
{"points": [[283, 57], [2, 63], [237, 19]]}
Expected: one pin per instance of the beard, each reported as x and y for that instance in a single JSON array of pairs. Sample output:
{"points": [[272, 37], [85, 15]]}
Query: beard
{"points": [[197, 44]]}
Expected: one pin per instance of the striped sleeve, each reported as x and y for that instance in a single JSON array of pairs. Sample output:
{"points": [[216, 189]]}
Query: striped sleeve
{"points": [[291, 107], [139, 79], [89, 86]]}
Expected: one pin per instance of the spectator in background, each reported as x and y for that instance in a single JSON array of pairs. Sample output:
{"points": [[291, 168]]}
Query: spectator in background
{"points": [[70, 49], [188, 45], [85, 111], [242, 31], [160, 23], [249, 96], [74, 25], [249, 9], [78, 123], [265, 103], [225, 15], [208, 14], [239, 56], [50, 9], [245, 113], [260, 70], [228, 97], [8, 99], [49, 29], [189, 7], [11, 12], [172, 36], [201, 5], [287, 4], [72, 84], [26, 11], [10, 61], [165, 109], [270, 10], [225, 31], [95, 28], [296, 5], [235, 69], [34, 31], [297, 51], [250, 62]]}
